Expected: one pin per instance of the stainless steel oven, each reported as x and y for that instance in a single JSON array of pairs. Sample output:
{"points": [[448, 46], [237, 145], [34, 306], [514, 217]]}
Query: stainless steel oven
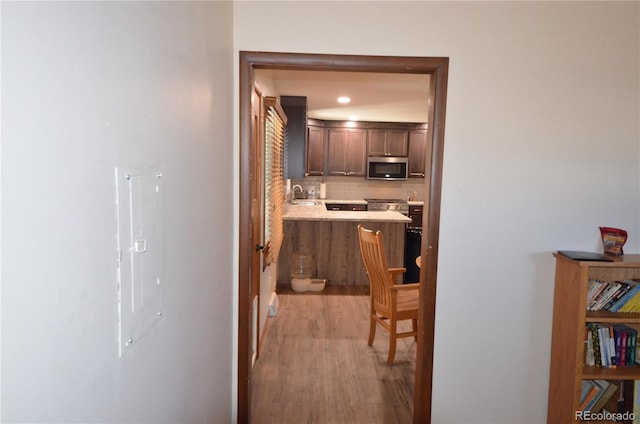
{"points": [[413, 235], [412, 244], [398, 205]]}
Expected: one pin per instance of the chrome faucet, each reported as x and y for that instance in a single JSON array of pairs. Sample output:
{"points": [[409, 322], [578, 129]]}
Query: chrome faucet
{"points": [[293, 191]]}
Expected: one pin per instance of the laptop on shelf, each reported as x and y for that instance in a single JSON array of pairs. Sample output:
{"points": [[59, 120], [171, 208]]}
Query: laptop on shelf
{"points": [[584, 256]]}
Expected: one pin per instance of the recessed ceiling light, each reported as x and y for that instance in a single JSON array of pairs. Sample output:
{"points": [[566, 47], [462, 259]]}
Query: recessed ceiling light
{"points": [[343, 99], [353, 118]]}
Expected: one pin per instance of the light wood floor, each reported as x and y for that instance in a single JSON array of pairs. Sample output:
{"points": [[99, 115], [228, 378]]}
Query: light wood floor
{"points": [[315, 365]]}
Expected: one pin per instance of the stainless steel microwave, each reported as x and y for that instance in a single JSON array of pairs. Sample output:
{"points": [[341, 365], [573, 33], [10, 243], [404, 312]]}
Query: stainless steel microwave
{"points": [[387, 167]]}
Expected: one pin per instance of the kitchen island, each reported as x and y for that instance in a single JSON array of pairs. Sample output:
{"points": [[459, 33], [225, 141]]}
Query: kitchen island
{"points": [[331, 237]]}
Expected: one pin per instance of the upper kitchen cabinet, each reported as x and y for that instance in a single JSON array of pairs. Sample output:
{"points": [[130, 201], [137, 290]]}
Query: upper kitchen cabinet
{"points": [[295, 138], [418, 144], [385, 142], [315, 151], [338, 148], [347, 148]]}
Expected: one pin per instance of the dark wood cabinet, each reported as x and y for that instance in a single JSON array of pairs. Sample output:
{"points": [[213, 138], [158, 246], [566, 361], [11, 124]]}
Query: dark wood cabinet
{"points": [[346, 151], [385, 142], [295, 135], [335, 249], [397, 142], [335, 148], [315, 151], [415, 213], [346, 207], [334, 206], [418, 146]]}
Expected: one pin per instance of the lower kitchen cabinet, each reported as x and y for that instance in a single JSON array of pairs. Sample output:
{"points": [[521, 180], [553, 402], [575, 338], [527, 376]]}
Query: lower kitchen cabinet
{"points": [[346, 207], [335, 248]]}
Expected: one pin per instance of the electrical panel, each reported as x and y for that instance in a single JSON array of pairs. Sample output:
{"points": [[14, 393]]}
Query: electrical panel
{"points": [[140, 253]]}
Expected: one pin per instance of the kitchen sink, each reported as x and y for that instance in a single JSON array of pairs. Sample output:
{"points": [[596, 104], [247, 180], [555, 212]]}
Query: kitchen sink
{"points": [[305, 202]]}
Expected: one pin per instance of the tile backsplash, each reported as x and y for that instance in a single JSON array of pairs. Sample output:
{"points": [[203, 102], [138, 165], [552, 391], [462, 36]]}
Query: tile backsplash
{"points": [[354, 188]]}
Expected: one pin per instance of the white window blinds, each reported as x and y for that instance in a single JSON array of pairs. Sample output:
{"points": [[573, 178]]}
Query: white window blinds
{"points": [[275, 121]]}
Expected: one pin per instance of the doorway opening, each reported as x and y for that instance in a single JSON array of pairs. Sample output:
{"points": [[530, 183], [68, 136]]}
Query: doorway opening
{"points": [[437, 69]]}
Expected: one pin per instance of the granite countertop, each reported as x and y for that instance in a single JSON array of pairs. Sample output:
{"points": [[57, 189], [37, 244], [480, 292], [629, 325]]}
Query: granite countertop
{"points": [[320, 213]]}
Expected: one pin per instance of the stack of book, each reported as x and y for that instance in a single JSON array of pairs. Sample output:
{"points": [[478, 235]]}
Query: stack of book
{"points": [[611, 401], [611, 345], [613, 296], [595, 394]]}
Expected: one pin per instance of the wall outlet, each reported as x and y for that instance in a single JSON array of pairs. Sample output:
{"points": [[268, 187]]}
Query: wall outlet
{"points": [[273, 306]]}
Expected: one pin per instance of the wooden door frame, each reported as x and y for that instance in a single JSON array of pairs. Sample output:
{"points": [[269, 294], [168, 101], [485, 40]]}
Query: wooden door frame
{"points": [[257, 231], [438, 69]]}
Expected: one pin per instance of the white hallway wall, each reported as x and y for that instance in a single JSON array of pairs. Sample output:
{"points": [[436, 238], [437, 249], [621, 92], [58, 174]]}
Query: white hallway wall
{"points": [[86, 87], [541, 147]]}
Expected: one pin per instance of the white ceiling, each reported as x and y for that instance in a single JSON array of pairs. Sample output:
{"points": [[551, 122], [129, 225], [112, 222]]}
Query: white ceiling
{"points": [[374, 96]]}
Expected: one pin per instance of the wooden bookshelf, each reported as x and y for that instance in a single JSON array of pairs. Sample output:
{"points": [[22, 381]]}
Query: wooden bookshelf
{"points": [[605, 316], [620, 373], [570, 315]]}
